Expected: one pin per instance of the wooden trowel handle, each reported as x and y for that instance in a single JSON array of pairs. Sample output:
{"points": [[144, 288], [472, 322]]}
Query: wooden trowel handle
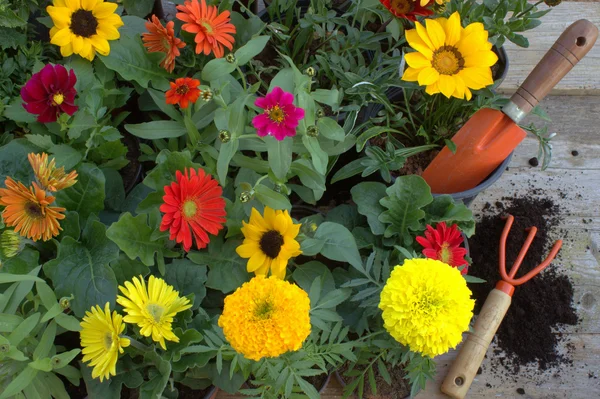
{"points": [[575, 42], [471, 354]]}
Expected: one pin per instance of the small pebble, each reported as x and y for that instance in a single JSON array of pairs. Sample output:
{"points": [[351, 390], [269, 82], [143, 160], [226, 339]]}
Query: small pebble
{"points": [[534, 161], [520, 391], [574, 153]]}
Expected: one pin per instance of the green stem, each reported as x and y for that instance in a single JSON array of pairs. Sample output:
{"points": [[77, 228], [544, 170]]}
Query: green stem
{"points": [[137, 344], [259, 180], [247, 136], [243, 77], [531, 7], [410, 117]]}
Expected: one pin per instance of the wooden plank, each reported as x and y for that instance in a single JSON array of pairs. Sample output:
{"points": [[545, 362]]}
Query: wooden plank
{"points": [[584, 79]]}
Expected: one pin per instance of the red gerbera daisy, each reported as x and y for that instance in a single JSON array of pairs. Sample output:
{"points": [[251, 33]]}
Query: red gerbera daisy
{"points": [[162, 39], [443, 243], [407, 9], [193, 205], [50, 92], [183, 92]]}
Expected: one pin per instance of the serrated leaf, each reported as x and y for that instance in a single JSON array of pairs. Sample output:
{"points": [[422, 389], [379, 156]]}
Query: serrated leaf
{"points": [[187, 277], [133, 235], [126, 269], [65, 155], [367, 195], [87, 195]]}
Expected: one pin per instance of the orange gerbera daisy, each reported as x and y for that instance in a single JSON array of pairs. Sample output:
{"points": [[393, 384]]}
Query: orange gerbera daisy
{"points": [[213, 30], [161, 39], [50, 177], [183, 92], [29, 210]]}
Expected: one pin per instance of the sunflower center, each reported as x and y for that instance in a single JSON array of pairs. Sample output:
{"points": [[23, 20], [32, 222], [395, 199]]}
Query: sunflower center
{"points": [[58, 99], [263, 310], [156, 311], [276, 114], [108, 340], [444, 254], [34, 210], [181, 90], [270, 243], [189, 208], [83, 23], [402, 6], [447, 60]]}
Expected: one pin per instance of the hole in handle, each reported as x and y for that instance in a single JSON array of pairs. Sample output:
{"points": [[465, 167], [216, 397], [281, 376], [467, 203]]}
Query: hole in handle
{"points": [[580, 41], [459, 381]]}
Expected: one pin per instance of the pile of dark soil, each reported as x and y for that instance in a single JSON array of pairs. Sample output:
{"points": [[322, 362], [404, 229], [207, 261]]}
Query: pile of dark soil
{"points": [[541, 306]]}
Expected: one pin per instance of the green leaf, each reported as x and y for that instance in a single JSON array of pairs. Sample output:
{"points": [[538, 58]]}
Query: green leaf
{"points": [[216, 68], [46, 342], [65, 155], [331, 129], [154, 387], [14, 162], [305, 274], [8, 322], [67, 322], [62, 360], [129, 58], [82, 269], [9, 19], [328, 97], [140, 8], [87, 195], [19, 383], [339, 244], [309, 177], [11, 278], [115, 192], [157, 129], [279, 156], [451, 145], [44, 364], [15, 111], [126, 269], [226, 153], [82, 121], [283, 79], [43, 141], [23, 263], [319, 157], [367, 195], [134, 237], [352, 168], [237, 117], [168, 164], [370, 133], [271, 199], [22, 289], [444, 209], [159, 100], [226, 270], [46, 295], [405, 199], [187, 277], [23, 329], [307, 388], [251, 49]]}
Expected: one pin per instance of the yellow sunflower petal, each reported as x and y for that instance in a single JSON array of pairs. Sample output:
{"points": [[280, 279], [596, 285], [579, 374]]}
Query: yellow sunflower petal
{"points": [[66, 50], [100, 44], [247, 250], [432, 89], [73, 4], [88, 4], [256, 261], [62, 37], [269, 216], [77, 44], [472, 43], [281, 223], [415, 41], [447, 85], [481, 59], [428, 76], [417, 60], [411, 74], [459, 91], [453, 29], [108, 31], [424, 36], [104, 10], [436, 33], [477, 78], [61, 16]]}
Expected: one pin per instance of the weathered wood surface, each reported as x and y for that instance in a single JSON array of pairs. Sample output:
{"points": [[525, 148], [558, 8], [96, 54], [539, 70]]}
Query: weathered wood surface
{"points": [[584, 79]]}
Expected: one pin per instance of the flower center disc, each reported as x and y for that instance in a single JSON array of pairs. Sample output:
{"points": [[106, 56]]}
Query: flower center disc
{"points": [[182, 89], [83, 23], [270, 243], [189, 208], [33, 210], [207, 27], [445, 255], [402, 6], [447, 60], [108, 340], [156, 311], [276, 114], [263, 310], [58, 99]]}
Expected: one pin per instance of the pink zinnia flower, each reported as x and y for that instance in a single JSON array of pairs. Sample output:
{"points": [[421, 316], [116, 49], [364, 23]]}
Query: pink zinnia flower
{"points": [[50, 92], [280, 118], [443, 243]]}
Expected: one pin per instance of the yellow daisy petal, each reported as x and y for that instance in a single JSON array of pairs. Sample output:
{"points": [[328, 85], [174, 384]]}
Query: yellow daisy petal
{"points": [[62, 38], [417, 60], [435, 32], [415, 41], [428, 76], [411, 74], [88, 4], [424, 36], [103, 10], [452, 29], [100, 44], [446, 85]]}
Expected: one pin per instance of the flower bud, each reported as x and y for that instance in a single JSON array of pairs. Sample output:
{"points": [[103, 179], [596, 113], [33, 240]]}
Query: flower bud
{"points": [[312, 131], [310, 71], [206, 95], [224, 136], [313, 227], [4, 348], [11, 243], [245, 196], [65, 303], [230, 58], [552, 3], [320, 113], [277, 188]]}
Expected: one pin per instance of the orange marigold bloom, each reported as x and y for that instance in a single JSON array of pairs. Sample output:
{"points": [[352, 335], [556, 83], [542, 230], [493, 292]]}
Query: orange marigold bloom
{"points": [[213, 30], [161, 39], [29, 210], [183, 92], [50, 177]]}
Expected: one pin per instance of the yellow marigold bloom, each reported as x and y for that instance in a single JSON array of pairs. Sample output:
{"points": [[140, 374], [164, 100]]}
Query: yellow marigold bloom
{"points": [[84, 27], [449, 59], [29, 211], [101, 342], [269, 242], [46, 173], [152, 308], [427, 306], [266, 317]]}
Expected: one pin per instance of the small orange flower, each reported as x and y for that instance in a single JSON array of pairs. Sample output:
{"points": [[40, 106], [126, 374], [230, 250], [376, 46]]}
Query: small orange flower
{"points": [[183, 92], [213, 31], [50, 177], [29, 211], [162, 39]]}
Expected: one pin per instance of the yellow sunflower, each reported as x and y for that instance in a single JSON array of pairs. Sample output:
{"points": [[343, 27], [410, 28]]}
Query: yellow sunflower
{"points": [[84, 27], [101, 342], [152, 308], [450, 59], [269, 242]]}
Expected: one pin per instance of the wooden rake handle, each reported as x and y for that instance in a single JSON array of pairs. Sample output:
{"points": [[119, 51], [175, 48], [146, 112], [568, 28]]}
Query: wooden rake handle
{"points": [[471, 354], [575, 42]]}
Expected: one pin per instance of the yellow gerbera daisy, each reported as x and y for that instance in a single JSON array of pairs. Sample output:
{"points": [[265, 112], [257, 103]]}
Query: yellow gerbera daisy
{"points": [[84, 27], [450, 59], [269, 242], [266, 317], [101, 342], [48, 175], [152, 308]]}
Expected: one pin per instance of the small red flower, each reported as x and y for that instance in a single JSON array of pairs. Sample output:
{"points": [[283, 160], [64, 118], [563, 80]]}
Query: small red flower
{"points": [[193, 205], [183, 92], [407, 9], [50, 92], [443, 243]]}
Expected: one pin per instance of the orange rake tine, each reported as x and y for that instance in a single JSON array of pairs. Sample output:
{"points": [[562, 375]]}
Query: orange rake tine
{"points": [[523, 252], [553, 252]]}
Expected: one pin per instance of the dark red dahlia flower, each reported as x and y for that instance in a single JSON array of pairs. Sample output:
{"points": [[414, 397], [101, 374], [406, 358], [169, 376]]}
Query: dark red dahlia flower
{"points": [[407, 9], [50, 92], [443, 243]]}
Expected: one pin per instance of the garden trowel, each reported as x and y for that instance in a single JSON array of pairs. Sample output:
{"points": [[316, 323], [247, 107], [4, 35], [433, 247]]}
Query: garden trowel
{"points": [[490, 135]]}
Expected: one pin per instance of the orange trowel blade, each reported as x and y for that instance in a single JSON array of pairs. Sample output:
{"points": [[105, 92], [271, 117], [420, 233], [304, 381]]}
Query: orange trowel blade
{"points": [[481, 146]]}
